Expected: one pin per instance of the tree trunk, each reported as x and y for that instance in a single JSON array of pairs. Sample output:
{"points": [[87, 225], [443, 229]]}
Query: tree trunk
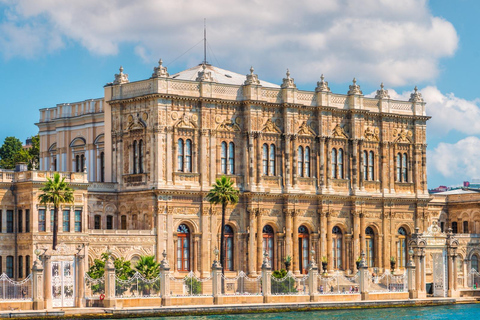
{"points": [[55, 227], [222, 238]]}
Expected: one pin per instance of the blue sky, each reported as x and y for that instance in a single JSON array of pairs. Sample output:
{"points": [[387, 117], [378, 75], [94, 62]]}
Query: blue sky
{"points": [[54, 51]]}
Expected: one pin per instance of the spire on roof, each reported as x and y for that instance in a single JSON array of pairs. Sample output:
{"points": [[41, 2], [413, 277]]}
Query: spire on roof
{"points": [[160, 71], [322, 86], [252, 78], [121, 77], [416, 96], [288, 82], [382, 93], [354, 88]]}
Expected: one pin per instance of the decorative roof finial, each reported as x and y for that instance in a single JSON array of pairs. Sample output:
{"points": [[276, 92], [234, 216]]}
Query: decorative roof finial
{"points": [[354, 88], [121, 77], [288, 82], [382, 93], [252, 78], [416, 96], [322, 86], [204, 75], [160, 71]]}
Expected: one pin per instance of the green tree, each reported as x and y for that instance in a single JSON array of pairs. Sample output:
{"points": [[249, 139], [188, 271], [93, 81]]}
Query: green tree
{"points": [[149, 269], [55, 191], [223, 193], [11, 146], [34, 153], [123, 270], [285, 286]]}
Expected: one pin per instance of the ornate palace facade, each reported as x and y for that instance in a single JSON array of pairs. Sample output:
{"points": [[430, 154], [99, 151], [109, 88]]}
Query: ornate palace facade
{"points": [[336, 173]]}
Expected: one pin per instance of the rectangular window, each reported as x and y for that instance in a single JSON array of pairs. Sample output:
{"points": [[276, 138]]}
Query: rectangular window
{"points": [[66, 220], [10, 222], [97, 220], [41, 220], [465, 226], [10, 266], [78, 220], [27, 220], [27, 265], [20, 221], [20, 267], [109, 222]]}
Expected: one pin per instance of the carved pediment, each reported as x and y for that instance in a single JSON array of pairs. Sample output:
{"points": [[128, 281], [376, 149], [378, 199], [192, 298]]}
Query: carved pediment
{"points": [[338, 132], [402, 135], [371, 134], [185, 122], [228, 125], [305, 129], [270, 126]]}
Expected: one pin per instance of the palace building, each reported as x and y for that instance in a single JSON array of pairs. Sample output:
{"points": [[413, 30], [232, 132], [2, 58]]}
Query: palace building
{"points": [[333, 174]]}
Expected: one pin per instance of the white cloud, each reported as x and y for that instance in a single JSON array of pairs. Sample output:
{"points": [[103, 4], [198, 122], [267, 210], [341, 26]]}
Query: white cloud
{"points": [[377, 40], [460, 160]]}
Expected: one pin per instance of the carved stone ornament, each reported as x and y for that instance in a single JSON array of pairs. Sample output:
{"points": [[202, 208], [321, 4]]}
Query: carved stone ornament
{"points": [[338, 132], [371, 134], [382, 93], [252, 78], [160, 71], [354, 88], [271, 127], [204, 75], [228, 125], [305, 129], [402, 135], [185, 122], [416, 96], [288, 82], [322, 86], [121, 77]]}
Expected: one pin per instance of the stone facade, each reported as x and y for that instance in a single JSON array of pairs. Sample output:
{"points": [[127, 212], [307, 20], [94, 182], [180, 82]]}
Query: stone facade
{"points": [[339, 174]]}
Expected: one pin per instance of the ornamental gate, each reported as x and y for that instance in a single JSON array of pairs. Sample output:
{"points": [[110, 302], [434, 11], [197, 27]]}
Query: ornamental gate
{"points": [[63, 281]]}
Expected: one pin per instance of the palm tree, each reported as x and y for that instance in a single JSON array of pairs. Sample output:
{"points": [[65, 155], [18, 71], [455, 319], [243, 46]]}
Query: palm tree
{"points": [[223, 193], [55, 191], [149, 269]]}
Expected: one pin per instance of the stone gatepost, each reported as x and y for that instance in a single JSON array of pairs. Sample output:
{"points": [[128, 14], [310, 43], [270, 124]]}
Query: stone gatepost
{"points": [[47, 276], [411, 279], [266, 279], [80, 297], [216, 281], [37, 285], [165, 280], [363, 269], [452, 246], [110, 300], [313, 278]]}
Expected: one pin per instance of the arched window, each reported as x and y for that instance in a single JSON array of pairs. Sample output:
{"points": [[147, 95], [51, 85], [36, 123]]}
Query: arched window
{"points": [[183, 248], [340, 164], [334, 163], [231, 158], [307, 162], [402, 248], [102, 167], [303, 248], [404, 168], [370, 245], [123, 222], [140, 156], [180, 155], [371, 160], [228, 263], [454, 227], [399, 167], [337, 247], [223, 157], [27, 265], [365, 165], [271, 166], [135, 222], [109, 222], [135, 157], [300, 162], [265, 159], [465, 226], [20, 267], [10, 266], [188, 155], [97, 222], [268, 242], [475, 262]]}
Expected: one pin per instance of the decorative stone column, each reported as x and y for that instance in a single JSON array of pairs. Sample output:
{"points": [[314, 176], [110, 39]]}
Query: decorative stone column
{"points": [[266, 279], [47, 263], [411, 278], [296, 256], [165, 280], [216, 280], [259, 239], [356, 237], [313, 277], [363, 277], [422, 288], [329, 242], [110, 300], [37, 285], [288, 233], [80, 298], [251, 244]]}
